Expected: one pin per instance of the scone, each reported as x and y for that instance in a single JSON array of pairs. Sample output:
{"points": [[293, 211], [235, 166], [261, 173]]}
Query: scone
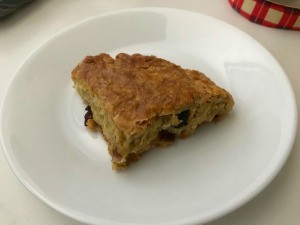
{"points": [[142, 101]]}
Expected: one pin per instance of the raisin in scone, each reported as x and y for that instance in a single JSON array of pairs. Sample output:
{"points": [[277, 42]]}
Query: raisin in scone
{"points": [[142, 101]]}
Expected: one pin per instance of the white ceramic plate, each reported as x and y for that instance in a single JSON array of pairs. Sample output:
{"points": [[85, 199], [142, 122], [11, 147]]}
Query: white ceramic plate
{"points": [[197, 179]]}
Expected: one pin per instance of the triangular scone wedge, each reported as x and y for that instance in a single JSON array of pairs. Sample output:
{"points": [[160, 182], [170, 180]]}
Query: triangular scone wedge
{"points": [[143, 101]]}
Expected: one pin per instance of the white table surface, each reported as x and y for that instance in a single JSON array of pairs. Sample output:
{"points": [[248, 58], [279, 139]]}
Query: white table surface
{"points": [[278, 204]]}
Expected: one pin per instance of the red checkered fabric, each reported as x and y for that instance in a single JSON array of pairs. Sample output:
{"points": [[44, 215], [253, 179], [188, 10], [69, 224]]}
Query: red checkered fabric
{"points": [[268, 14]]}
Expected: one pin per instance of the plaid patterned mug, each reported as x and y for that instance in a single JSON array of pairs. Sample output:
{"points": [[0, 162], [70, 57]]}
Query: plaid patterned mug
{"points": [[269, 13]]}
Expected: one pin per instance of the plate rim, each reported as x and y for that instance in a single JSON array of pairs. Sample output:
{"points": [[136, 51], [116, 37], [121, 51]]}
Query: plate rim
{"points": [[265, 178]]}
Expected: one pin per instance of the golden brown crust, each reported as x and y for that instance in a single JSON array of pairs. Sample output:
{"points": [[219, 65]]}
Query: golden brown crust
{"points": [[138, 102], [135, 88]]}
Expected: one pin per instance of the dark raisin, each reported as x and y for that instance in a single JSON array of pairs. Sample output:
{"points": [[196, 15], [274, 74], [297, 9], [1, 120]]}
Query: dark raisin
{"points": [[88, 115], [184, 118], [165, 135]]}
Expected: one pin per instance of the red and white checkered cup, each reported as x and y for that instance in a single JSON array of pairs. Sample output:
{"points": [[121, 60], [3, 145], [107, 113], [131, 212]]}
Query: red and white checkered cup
{"points": [[268, 14]]}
